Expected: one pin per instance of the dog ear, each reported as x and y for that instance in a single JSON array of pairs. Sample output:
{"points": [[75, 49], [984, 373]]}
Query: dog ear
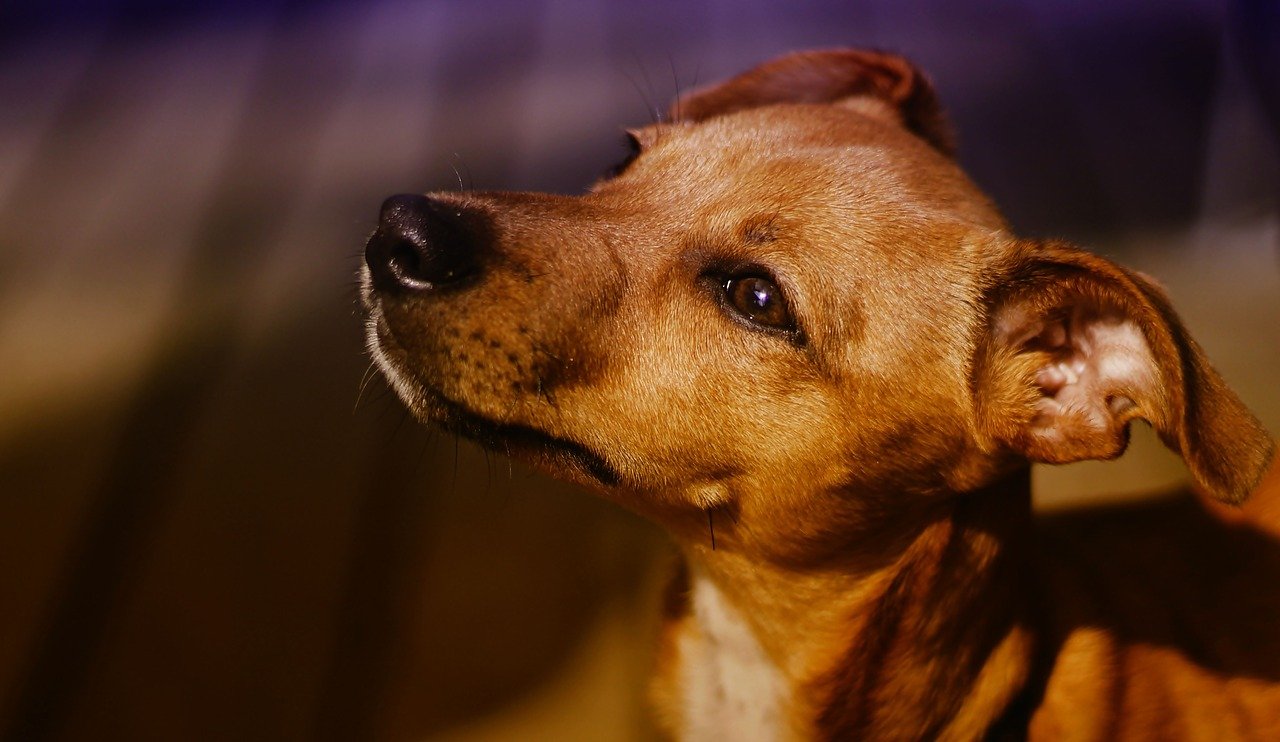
{"points": [[876, 83], [1076, 347]]}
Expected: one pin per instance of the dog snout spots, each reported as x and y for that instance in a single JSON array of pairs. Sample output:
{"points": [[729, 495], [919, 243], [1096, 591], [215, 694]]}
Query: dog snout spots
{"points": [[492, 362]]}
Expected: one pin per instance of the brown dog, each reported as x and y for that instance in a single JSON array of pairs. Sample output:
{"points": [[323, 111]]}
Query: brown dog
{"points": [[791, 331]]}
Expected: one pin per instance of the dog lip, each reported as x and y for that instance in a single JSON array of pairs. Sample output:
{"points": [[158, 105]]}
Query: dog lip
{"points": [[506, 437]]}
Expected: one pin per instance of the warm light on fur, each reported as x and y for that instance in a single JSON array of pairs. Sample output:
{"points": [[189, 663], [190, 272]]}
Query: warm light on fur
{"points": [[851, 494]]}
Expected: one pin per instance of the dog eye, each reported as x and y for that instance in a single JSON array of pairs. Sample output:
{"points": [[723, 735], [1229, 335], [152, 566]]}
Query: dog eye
{"points": [[759, 300], [632, 143]]}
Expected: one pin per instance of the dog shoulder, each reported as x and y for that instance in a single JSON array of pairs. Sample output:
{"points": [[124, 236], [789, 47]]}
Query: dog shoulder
{"points": [[1158, 600]]}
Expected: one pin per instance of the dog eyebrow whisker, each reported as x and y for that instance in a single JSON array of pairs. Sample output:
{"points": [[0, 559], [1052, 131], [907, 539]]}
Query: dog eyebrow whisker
{"points": [[697, 70], [469, 185], [655, 114], [457, 175], [675, 79]]}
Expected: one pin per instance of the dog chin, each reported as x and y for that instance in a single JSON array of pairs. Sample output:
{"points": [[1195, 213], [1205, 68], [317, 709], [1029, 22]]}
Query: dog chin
{"points": [[377, 341]]}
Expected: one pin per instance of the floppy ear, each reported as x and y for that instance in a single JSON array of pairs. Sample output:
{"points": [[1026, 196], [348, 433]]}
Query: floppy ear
{"points": [[1076, 347], [873, 82]]}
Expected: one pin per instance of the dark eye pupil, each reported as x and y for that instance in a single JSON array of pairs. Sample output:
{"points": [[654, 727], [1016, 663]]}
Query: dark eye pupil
{"points": [[759, 300]]}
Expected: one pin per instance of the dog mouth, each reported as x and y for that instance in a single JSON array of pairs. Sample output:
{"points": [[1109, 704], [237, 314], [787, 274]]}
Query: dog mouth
{"points": [[513, 439], [520, 440]]}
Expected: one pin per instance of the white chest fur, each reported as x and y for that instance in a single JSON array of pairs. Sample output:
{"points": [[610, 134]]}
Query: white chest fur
{"points": [[731, 689]]}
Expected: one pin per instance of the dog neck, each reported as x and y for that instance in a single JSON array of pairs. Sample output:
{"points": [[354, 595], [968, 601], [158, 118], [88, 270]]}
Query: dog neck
{"points": [[930, 643]]}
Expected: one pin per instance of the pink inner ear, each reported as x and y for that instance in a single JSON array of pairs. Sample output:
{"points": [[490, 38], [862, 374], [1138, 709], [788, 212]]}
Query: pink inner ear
{"points": [[1098, 367]]}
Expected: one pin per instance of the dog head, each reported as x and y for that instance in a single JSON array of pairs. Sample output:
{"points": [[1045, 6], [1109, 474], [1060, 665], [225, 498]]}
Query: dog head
{"points": [[789, 304]]}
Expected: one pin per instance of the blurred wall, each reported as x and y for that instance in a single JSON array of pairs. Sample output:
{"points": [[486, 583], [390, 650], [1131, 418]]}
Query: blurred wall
{"points": [[216, 524]]}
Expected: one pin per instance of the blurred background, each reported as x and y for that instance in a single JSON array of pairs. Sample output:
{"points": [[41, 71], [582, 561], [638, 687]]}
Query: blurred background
{"points": [[212, 528]]}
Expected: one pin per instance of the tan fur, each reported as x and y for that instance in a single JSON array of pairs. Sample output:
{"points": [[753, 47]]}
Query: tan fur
{"points": [[852, 498]]}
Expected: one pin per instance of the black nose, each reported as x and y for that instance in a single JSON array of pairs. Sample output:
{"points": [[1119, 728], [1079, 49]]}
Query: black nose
{"points": [[421, 244]]}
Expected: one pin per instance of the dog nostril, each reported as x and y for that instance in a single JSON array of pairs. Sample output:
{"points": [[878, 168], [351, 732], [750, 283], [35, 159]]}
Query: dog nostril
{"points": [[422, 244], [402, 258]]}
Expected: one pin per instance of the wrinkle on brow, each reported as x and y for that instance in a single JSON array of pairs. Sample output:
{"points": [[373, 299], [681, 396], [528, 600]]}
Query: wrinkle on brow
{"points": [[760, 229]]}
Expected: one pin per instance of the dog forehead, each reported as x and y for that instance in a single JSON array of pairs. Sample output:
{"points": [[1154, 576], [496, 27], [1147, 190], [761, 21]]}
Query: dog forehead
{"points": [[797, 122], [777, 153], [822, 160]]}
